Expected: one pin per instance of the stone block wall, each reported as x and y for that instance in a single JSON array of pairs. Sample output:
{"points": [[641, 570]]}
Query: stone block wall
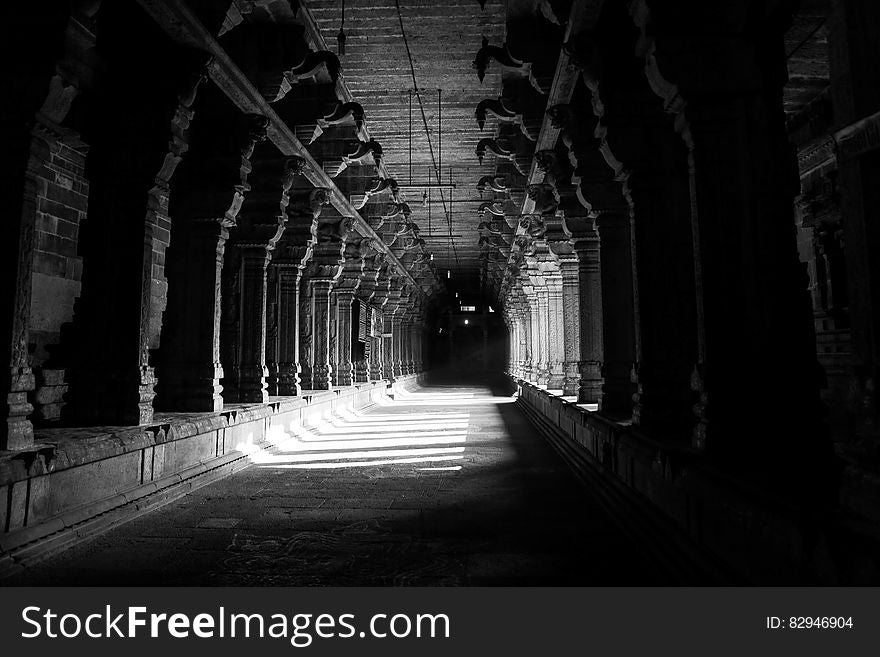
{"points": [[62, 203]]}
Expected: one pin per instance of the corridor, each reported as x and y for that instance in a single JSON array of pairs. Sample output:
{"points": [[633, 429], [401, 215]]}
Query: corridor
{"points": [[445, 485]]}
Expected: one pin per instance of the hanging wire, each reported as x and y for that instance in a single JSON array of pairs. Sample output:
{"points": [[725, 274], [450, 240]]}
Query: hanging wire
{"points": [[424, 121], [410, 136], [340, 38]]}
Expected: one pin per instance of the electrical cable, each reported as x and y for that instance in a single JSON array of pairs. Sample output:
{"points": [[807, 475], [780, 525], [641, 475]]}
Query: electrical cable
{"points": [[425, 123]]}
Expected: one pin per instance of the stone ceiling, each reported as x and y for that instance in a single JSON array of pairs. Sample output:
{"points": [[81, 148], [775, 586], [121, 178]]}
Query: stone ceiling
{"points": [[443, 38], [806, 48]]}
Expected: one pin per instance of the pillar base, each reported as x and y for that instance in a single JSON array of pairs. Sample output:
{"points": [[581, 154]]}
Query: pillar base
{"points": [[191, 388], [19, 432], [288, 380], [252, 387], [321, 379]]}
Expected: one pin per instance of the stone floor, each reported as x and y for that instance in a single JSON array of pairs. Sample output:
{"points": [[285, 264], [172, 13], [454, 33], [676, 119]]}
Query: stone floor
{"points": [[447, 485]]}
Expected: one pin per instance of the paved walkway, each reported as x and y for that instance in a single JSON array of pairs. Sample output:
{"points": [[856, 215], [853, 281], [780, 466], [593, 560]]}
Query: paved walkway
{"points": [[443, 486]]}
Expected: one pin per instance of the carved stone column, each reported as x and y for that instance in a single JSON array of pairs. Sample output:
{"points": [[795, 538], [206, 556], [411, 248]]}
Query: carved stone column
{"points": [[292, 255], [556, 355], [518, 341], [205, 204], [568, 266], [751, 298], [367, 294], [262, 220], [538, 373], [391, 321], [397, 329], [320, 276], [124, 239], [852, 49], [529, 334], [31, 87], [345, 290], [586, 245], [378, 360], [618, 321], [418, 346]]}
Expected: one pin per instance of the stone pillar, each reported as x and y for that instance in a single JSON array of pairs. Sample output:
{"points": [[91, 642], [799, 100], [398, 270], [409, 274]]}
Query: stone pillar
{"points": [[852, 50], [320, 276], [292, 255], [542, 330], [343, 368], [568, 265], [403, 342], [124, 238], [17, 380], [397, 329], [191, 368], [204, 210], [556, 355], [284, 376], [389, 329], [529, 335], [367, 295], [751, 299], [261, 224], [377, 356], [519, 340], [320, 289], [345, 290], [586, 245], [31, 86], [618, 321]]}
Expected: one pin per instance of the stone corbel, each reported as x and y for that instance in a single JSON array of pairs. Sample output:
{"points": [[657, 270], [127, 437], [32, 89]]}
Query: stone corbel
{"points": [[497, 108], [309, 203], [274, 56], [334, 230], [496, 184], [380, 185], [494, 208], [492, 146], [342, 114], [362, 151], [545, 197], [555, 165], [491, 227]]}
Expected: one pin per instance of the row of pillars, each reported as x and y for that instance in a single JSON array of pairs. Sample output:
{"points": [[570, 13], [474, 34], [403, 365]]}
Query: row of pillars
{"points": [[690, 315], [209, 274]]}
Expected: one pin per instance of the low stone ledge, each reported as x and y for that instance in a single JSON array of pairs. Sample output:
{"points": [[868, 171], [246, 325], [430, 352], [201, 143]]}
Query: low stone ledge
{"points": [[756, 535], [54, 492]]}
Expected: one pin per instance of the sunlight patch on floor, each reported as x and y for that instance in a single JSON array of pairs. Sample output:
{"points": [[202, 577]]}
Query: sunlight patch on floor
{"points": [[393, 431]]}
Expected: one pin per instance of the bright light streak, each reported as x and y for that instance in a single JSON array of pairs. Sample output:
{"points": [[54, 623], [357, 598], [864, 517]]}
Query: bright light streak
{"points": [[449, 468], [462, 402], [354, 464], [318, 443], [390, 427], [265, 458]]}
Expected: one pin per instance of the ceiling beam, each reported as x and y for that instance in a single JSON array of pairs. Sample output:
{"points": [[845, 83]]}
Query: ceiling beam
{"points": [[179, 22], [584, 16]]}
